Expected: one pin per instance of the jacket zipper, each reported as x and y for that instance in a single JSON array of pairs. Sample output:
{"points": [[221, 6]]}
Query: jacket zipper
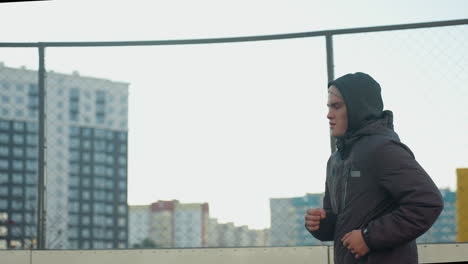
{"points": [[347, 172]]}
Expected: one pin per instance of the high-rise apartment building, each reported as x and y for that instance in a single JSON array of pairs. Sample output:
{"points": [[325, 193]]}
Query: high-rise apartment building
{"points": [[86, 160], [139, 224], [444, 230], [229, 235], [191, 225], [162, 223], [170, 224], [287, 220]]}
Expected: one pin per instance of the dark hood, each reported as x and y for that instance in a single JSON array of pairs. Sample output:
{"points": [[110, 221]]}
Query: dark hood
{"points": [[361, 94]]}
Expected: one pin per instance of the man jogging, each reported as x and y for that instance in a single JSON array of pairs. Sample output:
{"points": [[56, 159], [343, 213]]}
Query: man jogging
{"points": [[378, 199]]}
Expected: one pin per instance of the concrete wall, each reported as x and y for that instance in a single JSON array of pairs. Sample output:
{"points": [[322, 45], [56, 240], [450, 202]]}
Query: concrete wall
{"points": [[429, 253]]}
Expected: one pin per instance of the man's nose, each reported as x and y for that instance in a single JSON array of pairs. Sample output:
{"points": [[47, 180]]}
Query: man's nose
{"points": [[329, 115]]}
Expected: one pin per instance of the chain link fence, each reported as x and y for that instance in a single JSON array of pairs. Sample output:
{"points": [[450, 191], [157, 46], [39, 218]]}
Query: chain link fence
{"points": [[91, 183]]}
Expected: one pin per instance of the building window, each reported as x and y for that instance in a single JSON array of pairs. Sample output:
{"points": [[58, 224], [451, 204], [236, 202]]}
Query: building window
{"points": [[4, 191], [31, 178], [122, 160], [99, 182], [74, 155], [3, 231], [5, 125], [31, 193], [110, 172], [110, 135], [5, 85], [100, 170], [122, 197], [122, 235], [86, 144], [4, 164], [73, 233], [110, 148], [3, 178], [86, 170], [99, 133], [86, 132], [18, 139], [17, 191], [110, 197], [18, 152], [32, 127], [99, 145], [4, 138], [85, 220], [73, 218], [19, 113], [109, 209], [100, 195], [100, 106], [85, 182], [73, 194], [18, 165], [74, 131], [17, 217], [32, 139], [109, 184], [31, 152], [122, 185], [86, 195], [74, 97], [74, 181], [100, 157], [85, 207], [122, 209], [17, 178], [4, 151], [121, 222], [18, 126], [5, 99], [16, 205], [31, 165]]}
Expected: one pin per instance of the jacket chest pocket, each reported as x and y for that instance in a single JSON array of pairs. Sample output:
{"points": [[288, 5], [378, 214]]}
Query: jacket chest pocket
{"points": [[354, 184]]}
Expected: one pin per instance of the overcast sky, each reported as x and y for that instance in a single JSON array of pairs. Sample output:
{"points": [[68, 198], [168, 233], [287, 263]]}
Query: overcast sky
{"points": [[236, 124]]}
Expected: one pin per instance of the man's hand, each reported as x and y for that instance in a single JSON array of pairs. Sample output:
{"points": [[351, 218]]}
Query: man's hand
{"points": [[355, 243], [313, 217]]}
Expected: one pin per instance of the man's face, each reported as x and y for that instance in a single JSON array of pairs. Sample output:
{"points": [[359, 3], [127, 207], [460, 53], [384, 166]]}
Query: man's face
{"points": [[337, 114]]}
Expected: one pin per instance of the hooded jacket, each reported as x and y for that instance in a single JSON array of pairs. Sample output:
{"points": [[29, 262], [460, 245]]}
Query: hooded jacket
{"points": [[374, 183]]}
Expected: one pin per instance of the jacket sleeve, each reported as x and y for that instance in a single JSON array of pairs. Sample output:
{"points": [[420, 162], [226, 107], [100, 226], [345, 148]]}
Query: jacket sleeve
{"points": [[418, 201], [326, 230]]}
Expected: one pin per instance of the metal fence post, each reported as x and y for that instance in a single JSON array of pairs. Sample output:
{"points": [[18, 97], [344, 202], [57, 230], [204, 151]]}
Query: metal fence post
{"points": [[331, 74], [41, 213]]}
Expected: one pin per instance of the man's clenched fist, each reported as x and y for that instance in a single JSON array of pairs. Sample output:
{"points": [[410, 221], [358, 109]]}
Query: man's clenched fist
{"points": [[313, 218]]}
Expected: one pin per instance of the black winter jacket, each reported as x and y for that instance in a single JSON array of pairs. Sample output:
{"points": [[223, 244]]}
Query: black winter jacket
{"points": [[375, 184]]}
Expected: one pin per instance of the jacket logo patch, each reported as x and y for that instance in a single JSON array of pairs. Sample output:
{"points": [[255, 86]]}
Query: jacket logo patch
{"points": [[355, 173]]}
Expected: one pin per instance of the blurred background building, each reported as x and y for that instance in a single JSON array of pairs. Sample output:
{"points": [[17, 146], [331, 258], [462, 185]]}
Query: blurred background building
{"points": [[287, 220], [86, 168], [167, 224], [444, 229]]}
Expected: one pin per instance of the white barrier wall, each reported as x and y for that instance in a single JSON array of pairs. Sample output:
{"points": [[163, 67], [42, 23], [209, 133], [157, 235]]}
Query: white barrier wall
{"points": [[430, 253]]}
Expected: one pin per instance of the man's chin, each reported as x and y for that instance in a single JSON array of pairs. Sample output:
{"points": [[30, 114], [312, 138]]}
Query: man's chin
{"points": [[336, 134]]}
